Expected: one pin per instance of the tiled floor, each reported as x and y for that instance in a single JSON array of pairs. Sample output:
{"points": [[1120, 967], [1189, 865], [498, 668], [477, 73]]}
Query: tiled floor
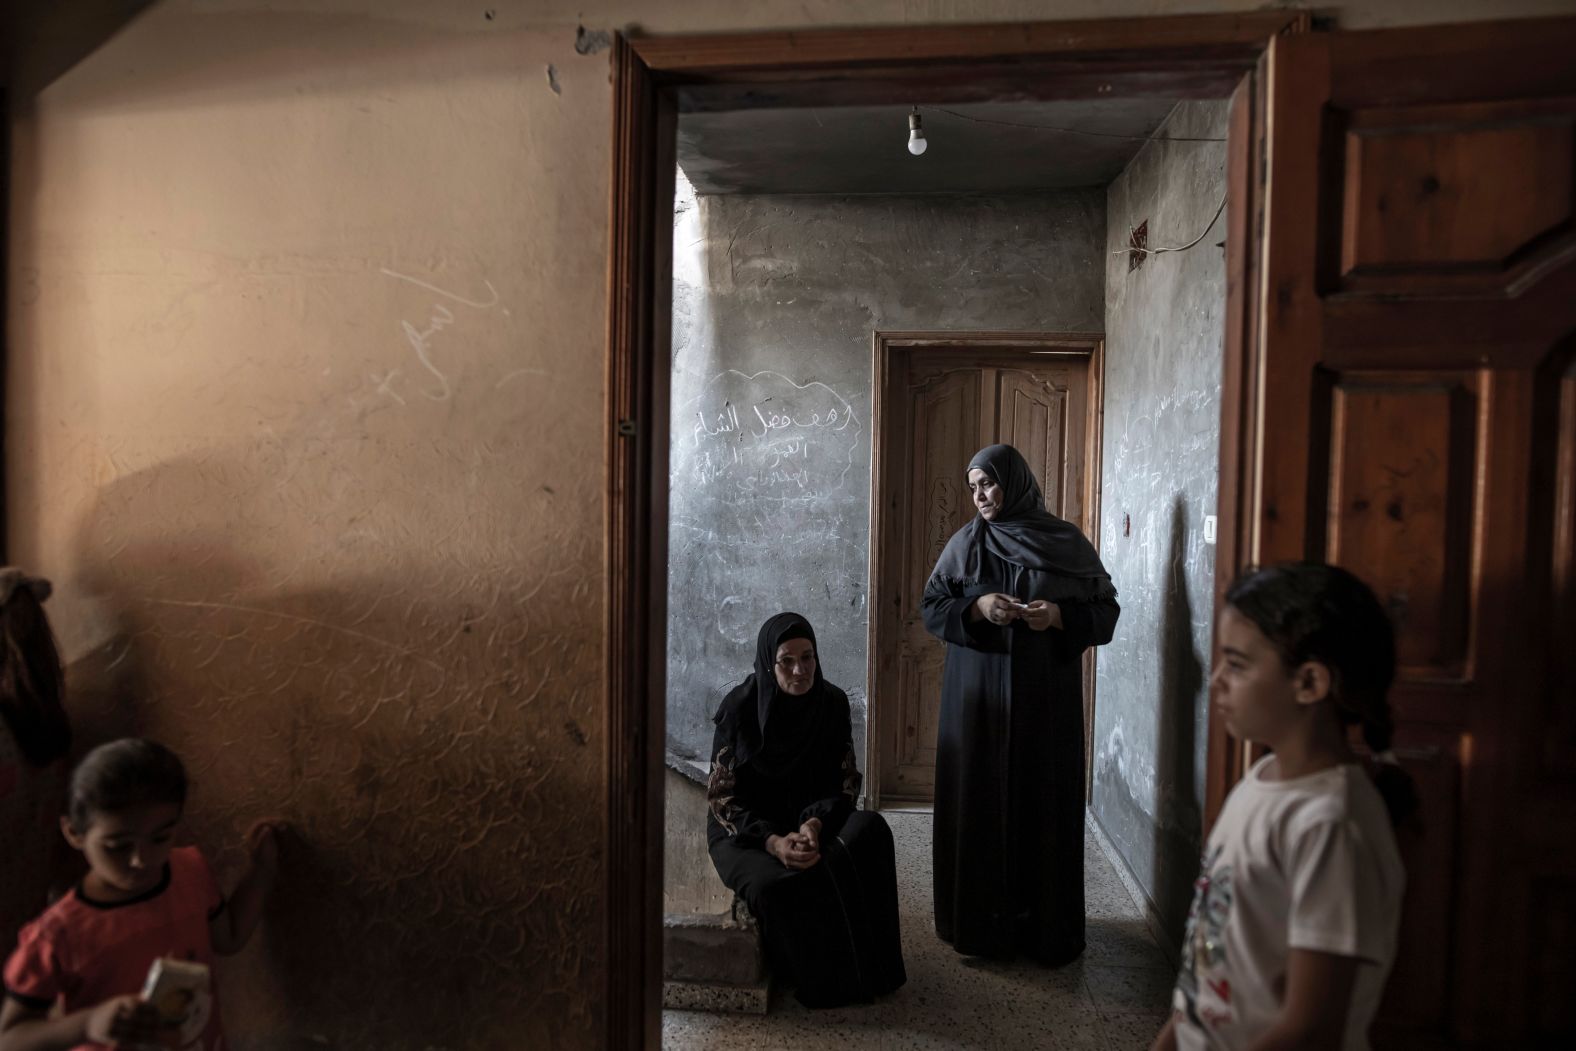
{"points": [[1113, 999]]}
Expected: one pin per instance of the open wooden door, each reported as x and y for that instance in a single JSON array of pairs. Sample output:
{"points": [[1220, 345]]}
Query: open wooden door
{"points": [[1401, 400]]}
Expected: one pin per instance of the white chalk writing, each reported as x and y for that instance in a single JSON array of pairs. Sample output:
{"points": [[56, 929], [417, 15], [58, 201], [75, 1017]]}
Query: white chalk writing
{"points": [[420, 339], [764, 436], [441, 318]]}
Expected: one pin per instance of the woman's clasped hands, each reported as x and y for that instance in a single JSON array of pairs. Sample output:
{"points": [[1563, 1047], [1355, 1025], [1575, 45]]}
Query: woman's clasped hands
{"points": [[1002, 609], [798, 850]]}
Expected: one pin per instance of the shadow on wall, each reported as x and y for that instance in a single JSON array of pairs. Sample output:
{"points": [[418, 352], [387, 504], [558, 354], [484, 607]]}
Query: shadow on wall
{"points": [[1179, 824], [376, 619], [403, 722], [44, 41], [254, 53]]}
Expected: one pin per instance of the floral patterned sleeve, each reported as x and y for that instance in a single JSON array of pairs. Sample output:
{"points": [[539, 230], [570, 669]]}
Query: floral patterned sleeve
{"points": [[722, 797]]}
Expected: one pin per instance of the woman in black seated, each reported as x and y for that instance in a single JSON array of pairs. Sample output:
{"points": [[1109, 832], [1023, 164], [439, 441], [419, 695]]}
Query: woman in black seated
{"points": [[819, 875]]}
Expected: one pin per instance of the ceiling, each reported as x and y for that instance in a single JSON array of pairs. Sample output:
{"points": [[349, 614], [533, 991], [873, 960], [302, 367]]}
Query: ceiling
{"points": [[973, 148]]}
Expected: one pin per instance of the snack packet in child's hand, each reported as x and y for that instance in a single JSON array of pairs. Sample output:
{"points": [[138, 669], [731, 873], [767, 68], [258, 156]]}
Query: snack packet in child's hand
{"points": [[176, 988]]}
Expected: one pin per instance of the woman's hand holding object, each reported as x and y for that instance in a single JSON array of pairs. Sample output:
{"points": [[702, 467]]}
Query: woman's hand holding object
{"points": [[997, 608], [1041, 615]]}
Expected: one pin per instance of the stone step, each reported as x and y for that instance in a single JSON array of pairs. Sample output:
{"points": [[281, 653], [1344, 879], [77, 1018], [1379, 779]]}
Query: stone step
{"points": [[700, 996], [713, 963]]}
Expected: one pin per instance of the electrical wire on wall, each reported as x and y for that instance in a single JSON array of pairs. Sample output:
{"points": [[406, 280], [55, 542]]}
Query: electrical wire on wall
{"points": [[1145, 250], [1138, 249], [1070, 131]]}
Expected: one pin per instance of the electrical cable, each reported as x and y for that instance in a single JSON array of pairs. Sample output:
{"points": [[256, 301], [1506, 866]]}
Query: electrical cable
{"points": [[1106, 135], [1179, 248], [1071, 131]]}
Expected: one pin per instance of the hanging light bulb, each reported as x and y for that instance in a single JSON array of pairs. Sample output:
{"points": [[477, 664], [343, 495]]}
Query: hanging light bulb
{"points": [[916, 134]]}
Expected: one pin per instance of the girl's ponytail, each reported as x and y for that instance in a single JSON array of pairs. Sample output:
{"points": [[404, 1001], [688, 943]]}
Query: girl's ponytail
{"points": [[1395, 785]]}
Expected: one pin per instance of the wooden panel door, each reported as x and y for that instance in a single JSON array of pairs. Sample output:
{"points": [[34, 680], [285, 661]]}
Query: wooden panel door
{"points": [[947, 406], [942, 431], [1042, 413], [1403, 405]]}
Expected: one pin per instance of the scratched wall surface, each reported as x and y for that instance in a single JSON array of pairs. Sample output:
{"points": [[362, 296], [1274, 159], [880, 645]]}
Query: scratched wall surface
{"points": [[774, 303], [304, 420], [1162, 432], [327, 557]]}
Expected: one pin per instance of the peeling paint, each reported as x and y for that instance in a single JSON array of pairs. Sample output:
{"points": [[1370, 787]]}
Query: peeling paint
{"points": [[552, 79], [592, 41]]}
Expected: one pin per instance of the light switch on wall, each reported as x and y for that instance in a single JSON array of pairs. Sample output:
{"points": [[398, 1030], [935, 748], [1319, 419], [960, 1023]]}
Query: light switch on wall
{"points": [[1209, 529]]}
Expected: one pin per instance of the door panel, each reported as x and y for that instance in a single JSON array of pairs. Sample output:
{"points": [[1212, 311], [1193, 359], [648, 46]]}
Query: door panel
{"points": [[1555, 480], [1409, 413], [943, 410], [1460, 198], [1036, 411], [1401, 519], [1463, 199], [1041, 411], [1421, 979], [1401, 484], [951, 404]]}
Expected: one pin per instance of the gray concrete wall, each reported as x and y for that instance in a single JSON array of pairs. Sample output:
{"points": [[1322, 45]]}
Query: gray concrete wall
{"points": [[774, 303], [1164, 331]]}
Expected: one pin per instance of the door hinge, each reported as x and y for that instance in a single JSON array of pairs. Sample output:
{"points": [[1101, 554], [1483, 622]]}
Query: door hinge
{"points": [[626, 428]]}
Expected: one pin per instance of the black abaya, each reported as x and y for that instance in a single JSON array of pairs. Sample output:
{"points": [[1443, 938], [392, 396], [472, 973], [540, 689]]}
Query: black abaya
{"points": [[1009, 823], [830, 930]]}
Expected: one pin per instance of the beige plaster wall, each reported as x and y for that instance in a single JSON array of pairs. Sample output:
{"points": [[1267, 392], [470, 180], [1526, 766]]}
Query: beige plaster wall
{"points": [[303, 414]]}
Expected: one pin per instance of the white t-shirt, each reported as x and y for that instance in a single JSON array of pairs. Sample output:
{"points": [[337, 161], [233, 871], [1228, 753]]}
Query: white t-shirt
{"points": [[1309, 863]]}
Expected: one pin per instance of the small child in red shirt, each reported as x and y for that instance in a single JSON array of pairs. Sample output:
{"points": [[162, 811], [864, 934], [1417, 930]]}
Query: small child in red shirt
{"points": [[142, 899]]}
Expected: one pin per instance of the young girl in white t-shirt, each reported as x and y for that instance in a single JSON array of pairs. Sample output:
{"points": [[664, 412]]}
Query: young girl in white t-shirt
{"points": [[1293, 926]]}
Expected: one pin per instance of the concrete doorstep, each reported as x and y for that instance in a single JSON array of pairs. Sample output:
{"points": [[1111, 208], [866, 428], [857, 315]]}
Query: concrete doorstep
{"points": [[713, 963]]}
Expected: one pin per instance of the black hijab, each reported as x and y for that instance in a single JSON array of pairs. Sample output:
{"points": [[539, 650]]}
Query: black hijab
{"points": [[765, 724], [1024, 533]]}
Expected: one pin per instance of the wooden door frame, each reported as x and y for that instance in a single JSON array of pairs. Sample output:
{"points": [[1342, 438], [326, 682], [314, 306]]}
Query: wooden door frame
{"points": [[885, 346], [1181, 57]]}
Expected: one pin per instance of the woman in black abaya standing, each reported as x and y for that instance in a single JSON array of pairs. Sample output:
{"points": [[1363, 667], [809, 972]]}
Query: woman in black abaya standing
{"points": [[784, 834], [1018, 595]]}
